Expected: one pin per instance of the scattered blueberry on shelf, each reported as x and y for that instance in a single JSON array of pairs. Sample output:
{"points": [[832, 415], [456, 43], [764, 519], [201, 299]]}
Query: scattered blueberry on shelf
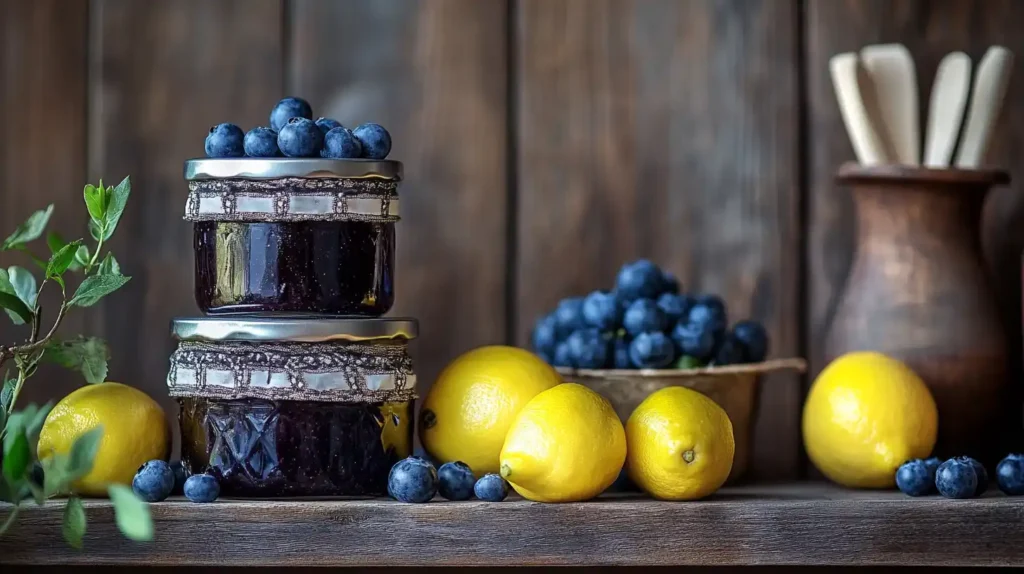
{"points": [[202, 488], [491, 488], [414, 479], [154, 481], [645, 322], [455, 481], [959, 477], [293, 133]]}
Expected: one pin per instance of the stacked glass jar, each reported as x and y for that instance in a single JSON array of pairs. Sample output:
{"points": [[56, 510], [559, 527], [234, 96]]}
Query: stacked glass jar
{"points": [[293, 384]]}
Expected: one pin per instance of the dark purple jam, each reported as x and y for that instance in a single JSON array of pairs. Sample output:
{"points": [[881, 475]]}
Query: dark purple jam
{"points": [[264, 448], [334, 267]]}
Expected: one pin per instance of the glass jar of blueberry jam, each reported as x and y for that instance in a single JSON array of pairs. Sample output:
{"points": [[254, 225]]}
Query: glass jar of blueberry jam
{"points": [[294, 406], [294, 234]]}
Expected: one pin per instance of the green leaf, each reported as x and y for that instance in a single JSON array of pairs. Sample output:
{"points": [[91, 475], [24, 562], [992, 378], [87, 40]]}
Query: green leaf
{"points": [[86, 354], [7, 394], [95, 231], [73, 528], [17, 310], [109, 265], [24, 285], [95, 201], [131, 514], [62, 260], [34, 423], [55, 475], [81, 257], [9, 301], [95, 287], [83, 453], [30, 230], [118, 199], [17, 456]]}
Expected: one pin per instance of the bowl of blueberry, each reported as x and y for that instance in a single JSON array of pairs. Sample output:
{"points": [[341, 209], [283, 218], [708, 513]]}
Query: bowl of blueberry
{"points": [[646, 334]]}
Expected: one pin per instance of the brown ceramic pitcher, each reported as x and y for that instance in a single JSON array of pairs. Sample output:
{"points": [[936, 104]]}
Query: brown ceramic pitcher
{"points": [[918, 290]]}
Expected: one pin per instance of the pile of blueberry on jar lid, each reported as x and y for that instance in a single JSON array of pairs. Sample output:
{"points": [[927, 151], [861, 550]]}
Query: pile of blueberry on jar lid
{"points": [[646, 322], [292, 383]]}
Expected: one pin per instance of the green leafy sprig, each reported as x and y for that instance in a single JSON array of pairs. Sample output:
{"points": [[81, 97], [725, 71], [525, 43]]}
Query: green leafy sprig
{"points": [[97, 274]]}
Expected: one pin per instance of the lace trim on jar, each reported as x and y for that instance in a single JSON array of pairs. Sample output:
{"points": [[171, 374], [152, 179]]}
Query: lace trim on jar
{"points": [[293, 199], [331, 372]]}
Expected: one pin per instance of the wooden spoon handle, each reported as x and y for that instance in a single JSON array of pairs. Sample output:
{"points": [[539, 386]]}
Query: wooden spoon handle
{"points": [[862, 130], [946, 108], [990, 85]]}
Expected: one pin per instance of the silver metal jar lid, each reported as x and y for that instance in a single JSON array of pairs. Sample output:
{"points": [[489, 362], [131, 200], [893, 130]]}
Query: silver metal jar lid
{"points": [[200, 169], [295, 328]]}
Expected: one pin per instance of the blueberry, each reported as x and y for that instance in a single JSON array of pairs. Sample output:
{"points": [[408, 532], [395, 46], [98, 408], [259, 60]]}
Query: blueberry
{"points": [[620, 353], [915, 478], [261, 142], [491, 488], [412, 480], [300, 138], [932, 464], [979, 472], [327, 124], [455, 481], [643, 316], [602, 310], [202, 488], [669, 283], [709, 312], [588, 349], [154, 481], [376, 141], [180, 475], [729, 352], [1010, 474], [545, 335], [639, 279], [754, 339], [569, 315], [225, 140], [694, 339], [287, 109], [688, 362], [652, 351], [562, 356], [339, 143], [956, 478], [674, 306]]}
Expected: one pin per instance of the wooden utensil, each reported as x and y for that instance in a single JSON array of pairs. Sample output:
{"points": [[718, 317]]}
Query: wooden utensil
{"points": [[990, 85], [946, 108], [860, 114], [892, 69]]}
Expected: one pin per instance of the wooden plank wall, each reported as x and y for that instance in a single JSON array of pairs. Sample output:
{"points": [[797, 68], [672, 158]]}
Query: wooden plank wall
{"points": [[545, 142]]}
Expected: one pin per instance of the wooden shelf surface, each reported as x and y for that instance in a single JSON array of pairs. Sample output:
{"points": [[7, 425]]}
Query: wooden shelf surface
{"points": [[790, 524]]}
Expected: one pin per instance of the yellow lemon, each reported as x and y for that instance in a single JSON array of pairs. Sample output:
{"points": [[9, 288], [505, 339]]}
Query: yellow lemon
{"points": [[567, 444], [680, 445], [134, 431], [865, 415], [468, 410]]}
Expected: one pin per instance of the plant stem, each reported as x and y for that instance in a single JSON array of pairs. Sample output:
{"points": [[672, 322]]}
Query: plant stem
{"points": [[17, 389], [10, 517], [96, 254]]}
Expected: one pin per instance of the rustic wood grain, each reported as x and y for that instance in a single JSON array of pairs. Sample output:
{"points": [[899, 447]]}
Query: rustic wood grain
{"points": [[161, 74], [42, 151], [796, 524], [666, 130], [434, 74], [930, 29]]}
